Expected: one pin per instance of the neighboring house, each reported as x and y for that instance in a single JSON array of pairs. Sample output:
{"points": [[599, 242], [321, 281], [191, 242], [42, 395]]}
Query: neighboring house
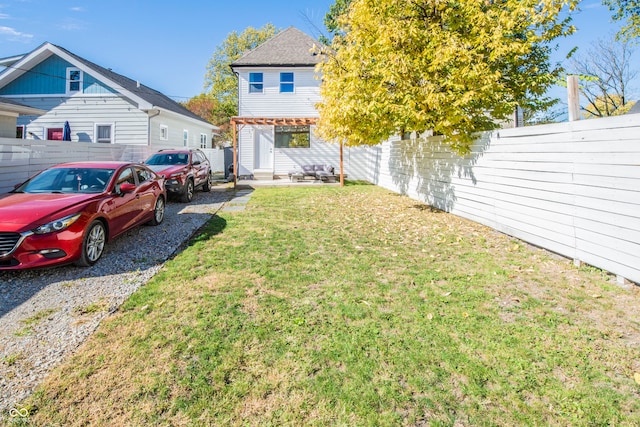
{"points": [[9, 113], [278, 89], [100, 105]]}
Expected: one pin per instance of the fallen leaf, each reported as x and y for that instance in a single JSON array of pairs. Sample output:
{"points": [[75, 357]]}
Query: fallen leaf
{"points": [[636, 377]]}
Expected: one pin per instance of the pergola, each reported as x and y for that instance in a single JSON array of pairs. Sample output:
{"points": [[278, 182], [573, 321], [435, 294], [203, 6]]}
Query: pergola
{"points": [[270, 121]]}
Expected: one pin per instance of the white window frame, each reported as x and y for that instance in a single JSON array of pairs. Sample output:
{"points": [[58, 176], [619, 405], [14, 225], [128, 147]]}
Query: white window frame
{"points": [[24, 131], [256, 87], [164, 133], [68, 81], [287, 82], [111, 132], [185, 137], [203, 140]]}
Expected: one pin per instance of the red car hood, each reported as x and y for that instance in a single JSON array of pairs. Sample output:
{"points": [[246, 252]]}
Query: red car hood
{"points": [[166, 170], [20, 209]]}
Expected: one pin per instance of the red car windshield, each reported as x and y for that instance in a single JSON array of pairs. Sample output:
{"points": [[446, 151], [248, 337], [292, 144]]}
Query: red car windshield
{"points": [[168, 159], [68, 180]]}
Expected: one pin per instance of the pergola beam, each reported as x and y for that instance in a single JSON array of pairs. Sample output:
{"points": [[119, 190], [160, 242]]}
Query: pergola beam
{"points": [[274, 121]]}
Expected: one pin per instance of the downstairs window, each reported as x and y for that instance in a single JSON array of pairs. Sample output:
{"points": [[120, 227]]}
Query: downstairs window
{"points": [[293, 137]]}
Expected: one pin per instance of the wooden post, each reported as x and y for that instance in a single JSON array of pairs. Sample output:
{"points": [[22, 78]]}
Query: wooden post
{"points": [[574, 98], [235, 154], [341, 167]]}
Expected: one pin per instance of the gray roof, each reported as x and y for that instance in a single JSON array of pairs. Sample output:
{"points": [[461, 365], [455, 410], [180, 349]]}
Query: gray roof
{"points": [[152, 96], [11, 105], [290, 48], [147, 94]]}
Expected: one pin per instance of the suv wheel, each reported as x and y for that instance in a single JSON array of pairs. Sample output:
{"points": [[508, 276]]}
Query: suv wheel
{"points": [[188, 192], [206, 187]]}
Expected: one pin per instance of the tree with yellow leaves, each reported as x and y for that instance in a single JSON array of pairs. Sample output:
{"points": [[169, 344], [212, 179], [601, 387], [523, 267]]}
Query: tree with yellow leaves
{"points": [[453, 67]]}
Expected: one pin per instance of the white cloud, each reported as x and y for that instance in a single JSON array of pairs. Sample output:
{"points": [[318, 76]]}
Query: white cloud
{"points": [[14, 35], [72, 25], [77, 9]]}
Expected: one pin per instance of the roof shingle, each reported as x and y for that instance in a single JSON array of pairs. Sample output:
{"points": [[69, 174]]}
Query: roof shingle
{"points": [[152, 96], [290, 48]]}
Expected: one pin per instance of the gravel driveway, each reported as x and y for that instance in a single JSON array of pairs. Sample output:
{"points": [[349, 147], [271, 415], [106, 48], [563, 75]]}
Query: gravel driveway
{"points": [[46, 314]]}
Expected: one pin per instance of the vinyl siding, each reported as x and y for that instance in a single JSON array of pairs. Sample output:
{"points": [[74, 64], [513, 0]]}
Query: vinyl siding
{"points": [[359, 162], [7, 126], [83, 113], [49, 78], [272, 103], [176, 126]]}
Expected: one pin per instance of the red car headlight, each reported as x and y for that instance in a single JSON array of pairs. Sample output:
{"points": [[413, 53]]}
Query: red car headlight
{"points": [[57, 225]]}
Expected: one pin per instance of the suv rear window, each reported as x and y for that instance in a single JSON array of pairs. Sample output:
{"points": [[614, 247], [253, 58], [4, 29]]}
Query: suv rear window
{"points": [[168, 159]]}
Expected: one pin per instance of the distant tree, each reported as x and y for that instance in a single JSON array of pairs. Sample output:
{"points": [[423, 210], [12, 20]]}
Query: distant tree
{"points": [[605, 75], [629, 11], [455, 68], [203, 105], [605, 106], [207, 107], [219, 81]]}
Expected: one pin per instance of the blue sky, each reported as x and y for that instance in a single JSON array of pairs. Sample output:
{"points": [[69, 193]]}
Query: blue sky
{"points": [[166, 44]]}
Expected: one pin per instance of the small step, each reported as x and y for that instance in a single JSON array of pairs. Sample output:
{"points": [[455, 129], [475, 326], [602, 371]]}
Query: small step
{"points": [[263, 175]]}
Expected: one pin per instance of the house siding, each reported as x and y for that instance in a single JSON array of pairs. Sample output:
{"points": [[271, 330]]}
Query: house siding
{"points": [[130, 125], [272, 103], [176, 128], [290, 158], [49, 78], [358, 162], [7, 126]]}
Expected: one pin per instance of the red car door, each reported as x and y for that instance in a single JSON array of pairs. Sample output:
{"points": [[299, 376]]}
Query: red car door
{"points": [[123, 209], [147, 198]]}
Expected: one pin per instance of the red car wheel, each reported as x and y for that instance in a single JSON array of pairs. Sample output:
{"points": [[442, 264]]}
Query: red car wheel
{"points": [[93, 244]]}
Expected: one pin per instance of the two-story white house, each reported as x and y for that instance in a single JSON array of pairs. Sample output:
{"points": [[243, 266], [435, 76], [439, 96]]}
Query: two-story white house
{"points": [[278, 89]]}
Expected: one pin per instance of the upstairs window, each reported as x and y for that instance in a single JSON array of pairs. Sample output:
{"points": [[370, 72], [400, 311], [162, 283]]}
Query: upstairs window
{"points": [[74, 80], [256, 83], [286, 82]]}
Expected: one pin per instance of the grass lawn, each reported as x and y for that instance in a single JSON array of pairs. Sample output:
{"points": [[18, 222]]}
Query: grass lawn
{"points": [[356, 306]]}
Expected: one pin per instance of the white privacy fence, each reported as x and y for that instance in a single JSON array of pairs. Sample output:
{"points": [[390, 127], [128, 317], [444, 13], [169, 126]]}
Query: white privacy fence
{"points": [[572, 188], [216, 157], [21, 158]]}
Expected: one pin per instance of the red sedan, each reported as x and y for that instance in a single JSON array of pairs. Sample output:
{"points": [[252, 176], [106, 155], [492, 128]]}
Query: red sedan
{"points": [[68, 212]]}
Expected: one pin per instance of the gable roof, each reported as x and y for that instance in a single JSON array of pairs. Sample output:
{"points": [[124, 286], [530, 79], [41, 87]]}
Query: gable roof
{"points": [[290, 48], [18, 108], [146, 97]]}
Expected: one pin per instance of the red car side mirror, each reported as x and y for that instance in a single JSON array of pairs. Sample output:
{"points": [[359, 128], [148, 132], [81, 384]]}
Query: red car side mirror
{"points": [[127, 187]]}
